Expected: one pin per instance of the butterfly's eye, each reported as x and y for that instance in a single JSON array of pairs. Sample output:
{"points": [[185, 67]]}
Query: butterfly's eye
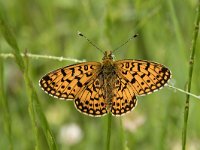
{"points": [[112, 56]]}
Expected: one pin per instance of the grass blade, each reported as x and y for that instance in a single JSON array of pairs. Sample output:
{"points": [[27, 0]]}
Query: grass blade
{"points": [[35, 107], [5, 107], [122, 135], [191, 64], [109, 131]]}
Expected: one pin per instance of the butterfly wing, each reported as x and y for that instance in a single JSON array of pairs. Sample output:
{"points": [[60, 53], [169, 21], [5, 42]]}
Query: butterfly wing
{"points": [[66, 82], [91, 99], [124, 99], [136, 78], [143, 77]]}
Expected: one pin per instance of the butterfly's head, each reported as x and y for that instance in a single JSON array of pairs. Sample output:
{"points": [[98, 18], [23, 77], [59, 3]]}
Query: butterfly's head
{"points": [[108, 55]]}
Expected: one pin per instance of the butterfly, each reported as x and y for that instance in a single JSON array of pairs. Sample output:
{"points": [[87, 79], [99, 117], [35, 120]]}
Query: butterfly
{"points": [[99, 88]]}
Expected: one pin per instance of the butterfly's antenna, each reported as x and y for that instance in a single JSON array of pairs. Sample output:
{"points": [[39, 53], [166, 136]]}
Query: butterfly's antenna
{"points": [[134, 36], [80, 34]]}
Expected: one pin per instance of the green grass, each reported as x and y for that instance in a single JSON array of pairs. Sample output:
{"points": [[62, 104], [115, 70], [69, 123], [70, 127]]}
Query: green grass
{"points": [[30, 119], [5, 108], [32, 95], [190, 73]]}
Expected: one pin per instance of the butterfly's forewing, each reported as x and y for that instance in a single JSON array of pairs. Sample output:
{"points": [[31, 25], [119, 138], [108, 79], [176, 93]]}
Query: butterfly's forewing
{"points": [[67, 82], [124, 99], [144, 77]]}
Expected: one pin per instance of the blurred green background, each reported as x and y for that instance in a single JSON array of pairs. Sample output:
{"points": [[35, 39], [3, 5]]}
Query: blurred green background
{"points": [[49, 27]]}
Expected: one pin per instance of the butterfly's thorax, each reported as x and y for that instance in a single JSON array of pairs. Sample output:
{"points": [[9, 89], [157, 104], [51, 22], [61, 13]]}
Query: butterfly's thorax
{"points": [[108, 77]]}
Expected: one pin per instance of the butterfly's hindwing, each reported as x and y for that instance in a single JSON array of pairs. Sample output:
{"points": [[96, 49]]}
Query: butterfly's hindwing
{"points": [[124, 99], [91, 99]]}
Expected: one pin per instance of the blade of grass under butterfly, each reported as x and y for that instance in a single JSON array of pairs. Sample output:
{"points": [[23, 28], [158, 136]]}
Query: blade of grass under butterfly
{"points": [[108, 131]]}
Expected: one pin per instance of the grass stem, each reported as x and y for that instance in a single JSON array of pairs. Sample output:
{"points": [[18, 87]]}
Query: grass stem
{"points": [[182, 91], [36, 56], [191, 64], [33, 98], [109, 131], [122, 134], [5, 107]]}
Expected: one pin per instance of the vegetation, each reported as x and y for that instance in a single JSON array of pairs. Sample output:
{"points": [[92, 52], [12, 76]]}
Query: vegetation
{"points": [[30, 119]]}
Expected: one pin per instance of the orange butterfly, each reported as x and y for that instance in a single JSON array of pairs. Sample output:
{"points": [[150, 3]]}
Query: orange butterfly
{"points": [[110, 86]]}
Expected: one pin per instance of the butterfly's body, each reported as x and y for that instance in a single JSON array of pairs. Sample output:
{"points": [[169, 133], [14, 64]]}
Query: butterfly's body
{"points": [[108, 78], [110, 86]]}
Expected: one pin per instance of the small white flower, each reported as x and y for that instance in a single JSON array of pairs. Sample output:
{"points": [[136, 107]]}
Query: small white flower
{"points": [[70, 134]]}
